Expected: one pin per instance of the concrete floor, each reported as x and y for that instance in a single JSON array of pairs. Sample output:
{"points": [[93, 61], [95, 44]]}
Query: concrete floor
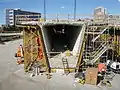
{"points": [[21, 81], [7, 59], [13, 77]]}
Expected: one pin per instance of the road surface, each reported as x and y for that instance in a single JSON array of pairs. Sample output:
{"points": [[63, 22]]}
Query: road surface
{"points": [[7, 59]]}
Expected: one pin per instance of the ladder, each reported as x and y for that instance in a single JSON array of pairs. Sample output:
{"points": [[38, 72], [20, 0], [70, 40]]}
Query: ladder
{"points": [[65, 65]]}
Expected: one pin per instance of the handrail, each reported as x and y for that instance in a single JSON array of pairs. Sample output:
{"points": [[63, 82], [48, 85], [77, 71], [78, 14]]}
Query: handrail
{"points": [[98, 49], [99, 54], [93, 40]]}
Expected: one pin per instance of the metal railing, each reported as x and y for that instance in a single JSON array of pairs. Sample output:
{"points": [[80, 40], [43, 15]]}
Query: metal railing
{"points": [[99, 54], [94, 39]]}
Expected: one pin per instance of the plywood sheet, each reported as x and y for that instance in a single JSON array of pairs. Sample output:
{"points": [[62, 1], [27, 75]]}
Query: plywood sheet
{"points": [[91, 76]]}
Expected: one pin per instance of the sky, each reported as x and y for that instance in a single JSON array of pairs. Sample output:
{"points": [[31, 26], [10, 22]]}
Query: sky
{"points": [[59, 6]]}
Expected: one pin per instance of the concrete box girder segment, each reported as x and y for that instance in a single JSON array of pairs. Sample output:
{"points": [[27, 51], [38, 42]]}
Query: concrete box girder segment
{"points": [[53, 42], [55, 39]]}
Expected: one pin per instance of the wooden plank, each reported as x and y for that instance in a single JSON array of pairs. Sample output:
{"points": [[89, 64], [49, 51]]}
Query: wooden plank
{"points": [[91, 76]]}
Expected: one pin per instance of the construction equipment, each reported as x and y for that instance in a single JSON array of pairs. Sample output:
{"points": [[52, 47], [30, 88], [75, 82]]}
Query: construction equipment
{"points": [[113, 66]]}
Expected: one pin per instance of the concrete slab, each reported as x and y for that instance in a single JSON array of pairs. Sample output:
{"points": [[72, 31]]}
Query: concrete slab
{"points": [[21, 81], [7, 59]]}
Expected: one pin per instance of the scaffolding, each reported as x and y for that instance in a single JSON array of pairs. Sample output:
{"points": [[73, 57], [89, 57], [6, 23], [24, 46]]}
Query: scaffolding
{"points": [[100, 43]]}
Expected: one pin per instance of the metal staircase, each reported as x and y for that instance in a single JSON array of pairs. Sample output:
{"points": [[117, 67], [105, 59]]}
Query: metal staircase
{"points": [[65, 65], [100, 53], [95, 46], [94, 39], [94, 53]]}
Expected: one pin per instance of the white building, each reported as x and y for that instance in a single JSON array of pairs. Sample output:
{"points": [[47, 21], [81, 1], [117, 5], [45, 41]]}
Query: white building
{"points": [[100, 14], [114, 19], [16, 16]]}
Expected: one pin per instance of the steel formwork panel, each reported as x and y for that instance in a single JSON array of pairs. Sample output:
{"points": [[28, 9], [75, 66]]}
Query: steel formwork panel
{"points": [[34, 51]]}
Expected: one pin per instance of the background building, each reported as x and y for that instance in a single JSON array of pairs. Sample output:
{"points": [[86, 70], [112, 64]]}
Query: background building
{"points": [[100, 14], [17, 16], [114, 19]]}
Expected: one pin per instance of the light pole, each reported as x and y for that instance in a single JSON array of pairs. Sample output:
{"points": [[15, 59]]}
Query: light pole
{"points": [[74, 10], [44, 10]]}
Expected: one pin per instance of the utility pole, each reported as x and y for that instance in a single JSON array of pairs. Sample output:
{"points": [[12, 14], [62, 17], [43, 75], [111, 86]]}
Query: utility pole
{"points": [[74, 10], [44, 10]]}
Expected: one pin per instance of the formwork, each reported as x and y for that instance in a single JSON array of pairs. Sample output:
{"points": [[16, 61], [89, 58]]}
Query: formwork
{"points": [[38, 47], [34, 52]]}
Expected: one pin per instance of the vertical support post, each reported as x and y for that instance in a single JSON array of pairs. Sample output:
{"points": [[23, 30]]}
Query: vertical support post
{"points": [[107, 36], [44, 10], [74, 10], [68, 17], [57, 18]]}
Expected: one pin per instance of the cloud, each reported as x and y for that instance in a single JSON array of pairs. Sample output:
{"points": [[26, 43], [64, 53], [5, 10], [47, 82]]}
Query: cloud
{"points": [[62, 7]]}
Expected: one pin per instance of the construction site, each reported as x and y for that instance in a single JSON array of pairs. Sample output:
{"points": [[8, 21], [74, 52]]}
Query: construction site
{"points": [[67, 54]]}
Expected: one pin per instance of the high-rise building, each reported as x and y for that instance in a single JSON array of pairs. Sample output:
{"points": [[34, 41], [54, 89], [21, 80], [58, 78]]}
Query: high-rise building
{"points": [[17, 16], [100, 14]]}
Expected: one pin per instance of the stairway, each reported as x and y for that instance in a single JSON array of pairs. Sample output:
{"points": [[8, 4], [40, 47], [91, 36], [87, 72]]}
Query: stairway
{"points": [[98, 49], [65, 65], [94, 39], [103, 50]]}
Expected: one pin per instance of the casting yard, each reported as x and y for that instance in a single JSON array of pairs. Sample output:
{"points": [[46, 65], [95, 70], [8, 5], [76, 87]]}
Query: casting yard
{"points": [[7, 59], [12, 76]]}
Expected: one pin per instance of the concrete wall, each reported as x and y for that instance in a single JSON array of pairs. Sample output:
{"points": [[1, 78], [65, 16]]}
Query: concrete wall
{"points": [[79, 41], [46, 39], [73, 35]]}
